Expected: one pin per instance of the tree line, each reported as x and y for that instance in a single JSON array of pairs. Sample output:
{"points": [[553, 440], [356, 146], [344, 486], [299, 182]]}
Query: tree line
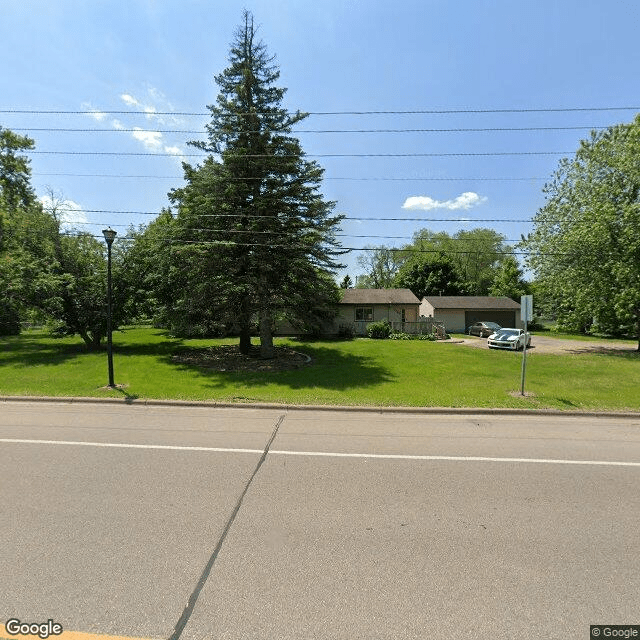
{"points": [[475, 262]]}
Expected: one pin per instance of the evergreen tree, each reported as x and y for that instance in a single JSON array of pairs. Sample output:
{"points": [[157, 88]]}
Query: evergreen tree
{"points": [[346, 283], [254, 234]]}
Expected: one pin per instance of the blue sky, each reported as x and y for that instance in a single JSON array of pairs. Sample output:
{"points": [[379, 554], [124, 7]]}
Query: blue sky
{"points": [[334, 56]]}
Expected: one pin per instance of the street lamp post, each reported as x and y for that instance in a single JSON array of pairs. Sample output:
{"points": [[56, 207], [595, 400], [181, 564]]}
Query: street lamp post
{"points": [[109, 236]]}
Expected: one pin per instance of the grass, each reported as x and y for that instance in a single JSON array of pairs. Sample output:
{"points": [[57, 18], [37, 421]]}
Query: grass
{"points": [[358, 372], [584, 338]]}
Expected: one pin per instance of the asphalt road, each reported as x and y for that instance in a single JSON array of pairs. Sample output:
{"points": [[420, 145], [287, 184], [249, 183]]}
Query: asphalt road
{"points": [[193, 522]]}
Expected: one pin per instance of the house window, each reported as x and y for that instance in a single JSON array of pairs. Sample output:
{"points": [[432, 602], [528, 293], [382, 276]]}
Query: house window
{"points": [[404, 316], [364, 314]]}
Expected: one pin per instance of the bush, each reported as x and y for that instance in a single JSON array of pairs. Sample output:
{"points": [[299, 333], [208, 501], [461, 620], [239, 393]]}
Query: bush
{"points": [[379, 330], [536, 325], [411, 336], [346, 331]]}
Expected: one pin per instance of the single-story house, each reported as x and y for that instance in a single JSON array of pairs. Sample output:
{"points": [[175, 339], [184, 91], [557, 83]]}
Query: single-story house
{"points": [[359, 307], [459, 312]]}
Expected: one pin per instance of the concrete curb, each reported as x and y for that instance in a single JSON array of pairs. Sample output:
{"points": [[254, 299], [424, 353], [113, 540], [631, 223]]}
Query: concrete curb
{"points": [[346, 409]]}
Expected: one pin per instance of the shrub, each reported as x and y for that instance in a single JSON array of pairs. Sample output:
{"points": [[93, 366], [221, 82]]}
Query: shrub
{"points": [[410, 336], [536, 325], [346, 331], [379, 330]]}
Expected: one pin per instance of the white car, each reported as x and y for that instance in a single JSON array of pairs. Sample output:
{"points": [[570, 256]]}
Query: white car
{"points": [[509, 339]]}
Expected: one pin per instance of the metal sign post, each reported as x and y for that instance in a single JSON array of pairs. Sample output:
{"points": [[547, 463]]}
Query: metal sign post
{"points": [[526, 314]]}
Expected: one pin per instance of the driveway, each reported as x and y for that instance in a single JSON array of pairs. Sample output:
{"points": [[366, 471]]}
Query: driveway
{"points": [[545, 344]]}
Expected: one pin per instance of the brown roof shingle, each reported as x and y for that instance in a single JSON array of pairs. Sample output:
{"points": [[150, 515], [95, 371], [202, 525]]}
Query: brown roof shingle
{"points": [[471, 302], [378, 296]]}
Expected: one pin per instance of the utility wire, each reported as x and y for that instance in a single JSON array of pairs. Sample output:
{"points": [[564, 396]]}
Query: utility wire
{"points": [[201, 131], [243, 215], [338, 250], [320, 113], [308, 155], [372, 179], [274, 233]]}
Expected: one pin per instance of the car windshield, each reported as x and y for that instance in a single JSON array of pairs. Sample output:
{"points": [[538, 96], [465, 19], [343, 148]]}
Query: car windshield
{"points": [[493, 325], [509, 332]]}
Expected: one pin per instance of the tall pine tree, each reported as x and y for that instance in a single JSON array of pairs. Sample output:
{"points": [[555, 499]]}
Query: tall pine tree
{"points": [[253, 231]]}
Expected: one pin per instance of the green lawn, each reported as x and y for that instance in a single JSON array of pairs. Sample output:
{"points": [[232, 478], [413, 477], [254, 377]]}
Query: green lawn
{"points": [[357, 372]]}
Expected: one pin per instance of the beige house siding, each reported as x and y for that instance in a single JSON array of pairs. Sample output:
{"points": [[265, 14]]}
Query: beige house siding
{"points": [[426, 308], [456, 320], [453, 319], [390, 312]]}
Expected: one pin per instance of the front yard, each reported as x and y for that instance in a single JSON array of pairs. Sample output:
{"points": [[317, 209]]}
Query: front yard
{"points": [[358, 372]]}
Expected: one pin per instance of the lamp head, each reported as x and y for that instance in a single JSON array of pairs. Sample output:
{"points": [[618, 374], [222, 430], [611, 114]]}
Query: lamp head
{"points": [[109, 235]]}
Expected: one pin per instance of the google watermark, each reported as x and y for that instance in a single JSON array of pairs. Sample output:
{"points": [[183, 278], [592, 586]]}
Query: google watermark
{"points": [[15, 627], [626, 631]]}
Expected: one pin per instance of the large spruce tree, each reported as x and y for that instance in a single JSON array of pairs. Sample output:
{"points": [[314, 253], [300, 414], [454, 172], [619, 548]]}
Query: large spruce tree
{"points": [[253, 233]]}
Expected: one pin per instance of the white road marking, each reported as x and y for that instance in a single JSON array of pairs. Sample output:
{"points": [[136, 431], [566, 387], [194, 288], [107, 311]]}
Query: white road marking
{"points": [[392, 456], [327, 454], [131, 446]]}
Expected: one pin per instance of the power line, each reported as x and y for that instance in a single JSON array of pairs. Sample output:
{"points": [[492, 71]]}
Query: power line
{"points": [[371, 179], [309, 155], [243, 215], [321, 113], [202, 131], [339, 250], [275, 233]]}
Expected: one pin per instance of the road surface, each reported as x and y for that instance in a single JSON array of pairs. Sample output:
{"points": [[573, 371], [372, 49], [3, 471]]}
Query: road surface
{"points": [[135, 521]]}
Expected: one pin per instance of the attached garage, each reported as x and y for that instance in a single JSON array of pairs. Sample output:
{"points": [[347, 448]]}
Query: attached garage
{"points": [[503, 317], [459, 312]]}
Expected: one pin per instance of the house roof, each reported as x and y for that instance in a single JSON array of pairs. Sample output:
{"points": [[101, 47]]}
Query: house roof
{"points": [[471, 302], [378, 296]]}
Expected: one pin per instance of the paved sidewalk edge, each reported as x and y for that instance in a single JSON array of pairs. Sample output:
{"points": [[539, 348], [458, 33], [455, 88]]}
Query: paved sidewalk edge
{"points": [[322, 407]]}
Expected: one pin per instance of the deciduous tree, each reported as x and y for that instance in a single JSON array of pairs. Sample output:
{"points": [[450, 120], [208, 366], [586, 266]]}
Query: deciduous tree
{"points": [[428, 274], [509, 280], [380, 266], [585, 245]]}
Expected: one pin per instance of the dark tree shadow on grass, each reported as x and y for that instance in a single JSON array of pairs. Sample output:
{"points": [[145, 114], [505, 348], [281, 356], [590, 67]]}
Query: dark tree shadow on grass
{"points": [[29, 351], [26, 351], [630, 353], [330, 368]]}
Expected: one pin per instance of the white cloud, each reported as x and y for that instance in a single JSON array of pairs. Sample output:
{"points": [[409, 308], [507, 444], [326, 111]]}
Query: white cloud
{"points": [[154, 104], [69, 213], [150, 139], [129, 100], [466, 200], [176, 152]]}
